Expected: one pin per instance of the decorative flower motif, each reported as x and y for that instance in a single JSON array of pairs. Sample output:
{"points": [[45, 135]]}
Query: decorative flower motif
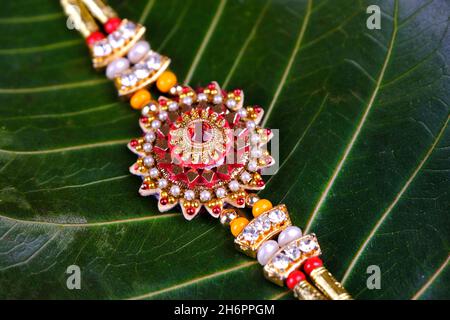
{"points": [[201, 148]]}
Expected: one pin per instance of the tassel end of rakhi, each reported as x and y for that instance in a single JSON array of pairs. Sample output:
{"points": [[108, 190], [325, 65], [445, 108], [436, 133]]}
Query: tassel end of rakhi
{"points": [[285, 258], [324, 280]]}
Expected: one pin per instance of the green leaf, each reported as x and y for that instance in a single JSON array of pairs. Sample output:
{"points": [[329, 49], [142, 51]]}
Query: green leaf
{"points": [[364, 148]]}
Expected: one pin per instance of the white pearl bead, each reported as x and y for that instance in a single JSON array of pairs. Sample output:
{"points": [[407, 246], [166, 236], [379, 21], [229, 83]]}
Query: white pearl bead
{"points": [[256, 153], [117, 67], [242, 113], [205, 196], [266, 251], [246, 177], [231, 103], [189, 195], [147, 147], [251, 125], [289, 234], [255, 138], [153, 172], [187, 100], [217, 99], [139, 51], [175, 190], [150, 136], [220, 193], [202, 97], [233, 185], [162, 116], [252, 165], [149, 161], [162, 183], [156, 124], [145, 111], [173, 106]]}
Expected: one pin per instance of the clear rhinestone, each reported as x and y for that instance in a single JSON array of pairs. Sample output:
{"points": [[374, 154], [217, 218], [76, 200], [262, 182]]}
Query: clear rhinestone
{"points": [[293, 252], [308, 245], [153, 62], [102, 48], [250, 233], [128, 30], [116, 40], [262, 224], [280, 261], [277, 216], [129, 80], [141, 71]]}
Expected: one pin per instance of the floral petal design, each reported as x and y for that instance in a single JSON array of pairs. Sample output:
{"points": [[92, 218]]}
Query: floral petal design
{"points": [[201, 148]]}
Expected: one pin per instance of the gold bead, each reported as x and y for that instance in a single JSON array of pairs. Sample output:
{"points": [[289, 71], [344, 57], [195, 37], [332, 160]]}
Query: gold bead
{"points": [[237, 225], [166, 81], [261, 206]]}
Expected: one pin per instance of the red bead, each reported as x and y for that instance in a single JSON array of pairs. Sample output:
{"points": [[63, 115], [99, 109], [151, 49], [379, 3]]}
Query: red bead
{"points": [[258, 109], [162, 102], [216, 210], [94, 37], [164, 201], [211, 86], [237, 92], [260, 183], [134, 143], [240, 201], [144, 119], [112, 24], [186, 89], [294, 278], [268, 132], [311, 264], [190, 211], [200, 90], [144, 186]]}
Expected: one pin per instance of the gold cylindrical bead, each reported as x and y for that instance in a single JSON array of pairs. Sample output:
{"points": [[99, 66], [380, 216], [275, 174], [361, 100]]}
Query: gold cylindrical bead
{"points": [[306, 291], [100, 10], [79, 16], [326, 283]]}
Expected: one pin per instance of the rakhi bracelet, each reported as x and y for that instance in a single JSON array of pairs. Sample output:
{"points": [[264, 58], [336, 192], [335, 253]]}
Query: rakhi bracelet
{"points": [[185, 150]]}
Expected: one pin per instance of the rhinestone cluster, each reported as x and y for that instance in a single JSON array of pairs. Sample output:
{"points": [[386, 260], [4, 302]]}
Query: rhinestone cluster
{"points": [[262, 228], [142, 73], [117, 43], [290, 257]]}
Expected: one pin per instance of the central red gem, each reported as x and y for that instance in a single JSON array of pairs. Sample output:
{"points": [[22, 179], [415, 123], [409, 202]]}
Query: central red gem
{"points": [[200, 132]]}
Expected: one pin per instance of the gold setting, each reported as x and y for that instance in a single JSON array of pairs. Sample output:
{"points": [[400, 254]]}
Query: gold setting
{"points": [[80, 17], [306, 291], [265, 227], [142, 83], [290, 257], [332, 288], [103, 61], [100, 10]]}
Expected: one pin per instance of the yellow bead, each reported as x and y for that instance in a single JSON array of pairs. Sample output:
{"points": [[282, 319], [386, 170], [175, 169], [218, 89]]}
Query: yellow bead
{"points": [[166, 81], [140, 98], [237, 225], [261, 206]]}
